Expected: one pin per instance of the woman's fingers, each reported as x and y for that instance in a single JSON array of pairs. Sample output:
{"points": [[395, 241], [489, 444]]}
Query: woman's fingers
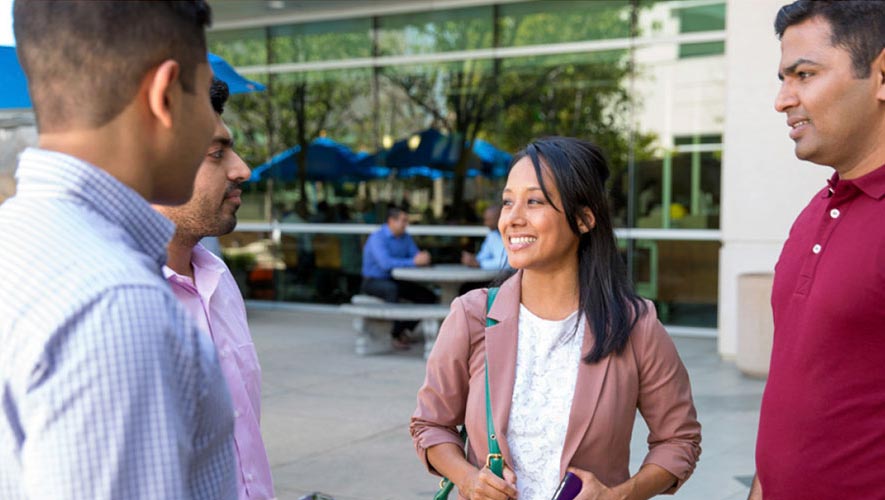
{"points": [[591, 487], [492, 487], [509, 475]]}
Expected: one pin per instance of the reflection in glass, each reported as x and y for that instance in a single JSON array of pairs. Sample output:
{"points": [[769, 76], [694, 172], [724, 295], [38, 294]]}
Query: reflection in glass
{"points": [[656, 111], [322, 41], [436, 31]]}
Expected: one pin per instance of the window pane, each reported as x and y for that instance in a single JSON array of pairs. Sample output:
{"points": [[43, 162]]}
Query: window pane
{"points": [[701, 49], [681, 277], [435, 31], [322, 41], [697, 19], [680, 191], [239, 47], [558, 21], [702, 18]]}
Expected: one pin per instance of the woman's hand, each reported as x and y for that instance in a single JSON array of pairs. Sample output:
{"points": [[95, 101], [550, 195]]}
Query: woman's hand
{"points": [[485, 485], [593, 489]]}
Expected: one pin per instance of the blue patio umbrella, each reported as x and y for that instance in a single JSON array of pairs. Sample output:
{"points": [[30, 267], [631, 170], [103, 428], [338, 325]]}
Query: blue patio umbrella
{"points": [[327, 160], [431, 173], [433, 150], [440, 152], [13, 84], [236, 83], [494, 161]]}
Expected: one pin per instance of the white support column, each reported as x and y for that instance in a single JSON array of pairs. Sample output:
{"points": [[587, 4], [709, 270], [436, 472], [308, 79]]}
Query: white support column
{"points": [[764, 186]]}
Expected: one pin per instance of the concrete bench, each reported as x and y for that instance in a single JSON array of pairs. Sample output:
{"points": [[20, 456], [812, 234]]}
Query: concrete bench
{"points": [[373, 320]]}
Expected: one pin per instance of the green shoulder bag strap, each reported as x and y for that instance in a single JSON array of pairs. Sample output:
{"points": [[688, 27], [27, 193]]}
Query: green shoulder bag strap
{"points": [[494, 460]]}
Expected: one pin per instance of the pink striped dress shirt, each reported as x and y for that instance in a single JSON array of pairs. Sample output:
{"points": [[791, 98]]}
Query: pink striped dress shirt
{"points": [[215, 303]]}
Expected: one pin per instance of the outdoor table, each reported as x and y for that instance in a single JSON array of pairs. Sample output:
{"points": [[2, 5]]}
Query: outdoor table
{"points": [[449, 277]]}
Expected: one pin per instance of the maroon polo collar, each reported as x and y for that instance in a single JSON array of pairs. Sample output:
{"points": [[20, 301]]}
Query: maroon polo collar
{"points": [[871, 184]]}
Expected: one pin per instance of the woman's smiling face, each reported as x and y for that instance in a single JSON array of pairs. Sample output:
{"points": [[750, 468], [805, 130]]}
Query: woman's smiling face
{"points": [[536, 235]]}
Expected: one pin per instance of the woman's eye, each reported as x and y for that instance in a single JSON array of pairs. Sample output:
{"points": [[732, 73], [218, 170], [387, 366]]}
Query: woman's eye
{"points": [[217, 155], [506, 203]]}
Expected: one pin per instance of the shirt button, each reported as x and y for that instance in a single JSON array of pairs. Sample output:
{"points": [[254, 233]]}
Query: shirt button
{"points": [[816, 248], [236, 413], [835, 213], [250, 477]]}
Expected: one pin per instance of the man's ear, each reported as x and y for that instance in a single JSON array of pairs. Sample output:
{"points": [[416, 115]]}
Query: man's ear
{"points": [[587, 215], [163, 88], [879, 72]]}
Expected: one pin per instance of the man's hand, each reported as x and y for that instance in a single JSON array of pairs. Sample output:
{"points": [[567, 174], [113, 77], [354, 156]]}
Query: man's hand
{"points": [[422, 258], [469, 259], [755, 490]]}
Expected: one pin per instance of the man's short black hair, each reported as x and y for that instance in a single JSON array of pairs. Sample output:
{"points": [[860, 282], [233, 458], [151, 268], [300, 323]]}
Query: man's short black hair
{"points": [[85, 59], [857, 25], [218, 94], [393, 212]]}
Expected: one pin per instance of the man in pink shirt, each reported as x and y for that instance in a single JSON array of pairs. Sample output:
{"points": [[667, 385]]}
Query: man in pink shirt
{"points": [[204, 285]]}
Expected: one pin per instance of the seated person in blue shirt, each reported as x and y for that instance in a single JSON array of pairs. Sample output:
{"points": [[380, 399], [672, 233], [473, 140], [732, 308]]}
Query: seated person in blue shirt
{"points": [[387, 248], [492, 254]]}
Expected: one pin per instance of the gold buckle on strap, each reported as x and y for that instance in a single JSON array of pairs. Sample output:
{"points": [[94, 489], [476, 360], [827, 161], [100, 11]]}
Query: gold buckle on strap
{"points": [[490, 456]]}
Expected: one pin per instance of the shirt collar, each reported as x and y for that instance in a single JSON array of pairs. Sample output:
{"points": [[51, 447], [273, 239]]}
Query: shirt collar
{"points": [[871, 184], [59, 174], [208, 269]]}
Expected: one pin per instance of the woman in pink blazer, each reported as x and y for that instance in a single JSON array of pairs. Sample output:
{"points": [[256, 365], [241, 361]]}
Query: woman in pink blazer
{"points": [[570, 404]]}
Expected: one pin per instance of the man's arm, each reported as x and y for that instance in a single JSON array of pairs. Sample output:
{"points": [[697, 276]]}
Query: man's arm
{"points": [[492, 254], [109, 411], [755, 490]]}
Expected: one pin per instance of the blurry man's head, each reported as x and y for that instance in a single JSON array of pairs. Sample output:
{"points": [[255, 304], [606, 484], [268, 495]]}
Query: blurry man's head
{"points": [[141, 65], [212, 210], [490, 217], [397, 221]]}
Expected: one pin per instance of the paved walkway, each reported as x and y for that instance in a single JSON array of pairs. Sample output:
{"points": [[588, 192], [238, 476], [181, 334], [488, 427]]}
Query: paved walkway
{"points": [[338, 423]]}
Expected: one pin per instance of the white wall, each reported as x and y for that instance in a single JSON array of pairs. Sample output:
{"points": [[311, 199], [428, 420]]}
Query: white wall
{"points": [[764, 186]]}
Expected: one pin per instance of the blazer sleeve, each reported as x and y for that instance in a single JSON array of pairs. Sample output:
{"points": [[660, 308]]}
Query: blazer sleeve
{"points": [[443, 397], [665, 401]]}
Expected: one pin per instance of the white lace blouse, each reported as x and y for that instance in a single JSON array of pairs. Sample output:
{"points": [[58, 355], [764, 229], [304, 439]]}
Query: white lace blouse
{"points": [[547, 359]]}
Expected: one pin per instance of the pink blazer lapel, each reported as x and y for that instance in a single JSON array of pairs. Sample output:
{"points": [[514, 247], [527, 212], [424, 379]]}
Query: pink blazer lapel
{"points": [[500, 343], [588, 387]]}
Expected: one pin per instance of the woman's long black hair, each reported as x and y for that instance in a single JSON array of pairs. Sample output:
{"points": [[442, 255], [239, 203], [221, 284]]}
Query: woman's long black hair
{"points": [[606, 296]]}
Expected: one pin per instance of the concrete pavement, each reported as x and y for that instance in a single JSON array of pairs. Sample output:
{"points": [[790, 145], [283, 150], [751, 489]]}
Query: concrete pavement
{"points": [[337, 423]]}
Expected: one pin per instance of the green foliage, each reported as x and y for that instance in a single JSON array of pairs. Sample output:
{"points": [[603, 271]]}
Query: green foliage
{"points": [[243, 261]]}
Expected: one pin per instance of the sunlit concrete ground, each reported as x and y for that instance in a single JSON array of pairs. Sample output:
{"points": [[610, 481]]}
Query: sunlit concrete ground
{"points": [[338, 423]]}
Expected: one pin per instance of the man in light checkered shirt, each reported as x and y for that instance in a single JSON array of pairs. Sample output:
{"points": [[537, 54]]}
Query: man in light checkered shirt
{"points": [[107, 389]]}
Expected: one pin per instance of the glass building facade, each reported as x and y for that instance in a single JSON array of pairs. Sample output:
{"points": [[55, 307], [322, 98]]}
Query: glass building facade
{"points": [[643, 79]]}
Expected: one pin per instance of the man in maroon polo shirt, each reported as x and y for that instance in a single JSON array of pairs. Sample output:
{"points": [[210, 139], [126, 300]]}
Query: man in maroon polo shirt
{"points": [[822, 424]]}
